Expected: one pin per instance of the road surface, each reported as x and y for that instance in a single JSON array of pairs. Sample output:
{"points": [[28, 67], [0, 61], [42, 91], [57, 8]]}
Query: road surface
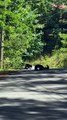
{"points": [[34, 95]]}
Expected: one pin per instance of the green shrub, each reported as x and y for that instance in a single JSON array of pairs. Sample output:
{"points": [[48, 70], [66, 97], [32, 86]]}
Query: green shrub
{"points": [[14, 63]]}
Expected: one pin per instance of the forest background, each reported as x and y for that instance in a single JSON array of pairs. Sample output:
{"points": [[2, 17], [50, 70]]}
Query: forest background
{"points": [[33, 31]]}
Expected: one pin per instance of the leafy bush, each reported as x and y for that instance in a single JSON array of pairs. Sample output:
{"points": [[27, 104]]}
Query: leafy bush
{"points": [[14, 63]]}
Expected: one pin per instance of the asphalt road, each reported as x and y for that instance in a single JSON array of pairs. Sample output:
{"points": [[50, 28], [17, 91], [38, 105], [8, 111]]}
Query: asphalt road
{"points": [[34, 95]]}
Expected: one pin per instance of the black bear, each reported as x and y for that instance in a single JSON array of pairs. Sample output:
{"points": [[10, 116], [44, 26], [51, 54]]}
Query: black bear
{"points": [[28, 66], [41, 67]]}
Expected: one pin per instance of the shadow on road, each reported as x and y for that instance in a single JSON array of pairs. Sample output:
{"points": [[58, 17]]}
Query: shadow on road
{"points": [[33, 79], [17, 109], [45, 83]]}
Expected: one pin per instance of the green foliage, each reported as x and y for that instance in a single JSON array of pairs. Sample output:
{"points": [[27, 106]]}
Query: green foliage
{"points": [[20, 31], [57, 60], [14, 63], [33, 28], [34, 49], [60, 58], [64, 40]]}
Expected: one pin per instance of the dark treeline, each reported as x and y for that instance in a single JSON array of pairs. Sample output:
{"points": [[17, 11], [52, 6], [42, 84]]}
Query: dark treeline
{"points": [[31, 29]]}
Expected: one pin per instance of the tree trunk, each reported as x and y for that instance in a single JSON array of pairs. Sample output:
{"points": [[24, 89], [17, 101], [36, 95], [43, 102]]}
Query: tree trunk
{"points": [[1, 48]]}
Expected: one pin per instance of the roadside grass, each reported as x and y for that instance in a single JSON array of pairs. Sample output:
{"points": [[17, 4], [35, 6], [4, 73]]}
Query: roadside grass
{"points": [[57, 60]]}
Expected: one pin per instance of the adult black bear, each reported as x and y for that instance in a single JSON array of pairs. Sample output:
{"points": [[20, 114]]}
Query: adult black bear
{"points": [[41, 67], [28, 66]]}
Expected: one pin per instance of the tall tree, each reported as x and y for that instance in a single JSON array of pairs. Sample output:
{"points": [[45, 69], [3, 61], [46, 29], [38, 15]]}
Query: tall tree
{"points": [[3, 11], [20, 29]]}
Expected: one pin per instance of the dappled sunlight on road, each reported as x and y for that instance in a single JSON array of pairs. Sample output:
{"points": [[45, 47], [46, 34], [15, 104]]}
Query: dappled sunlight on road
{"points": [[18, 109], [34, 96]]}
